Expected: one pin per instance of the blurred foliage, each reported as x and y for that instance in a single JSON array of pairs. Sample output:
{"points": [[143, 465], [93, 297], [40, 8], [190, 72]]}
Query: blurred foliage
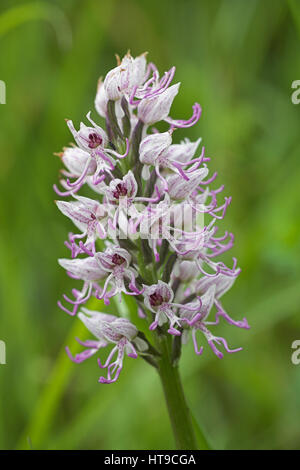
{"points": [[238, 59]]}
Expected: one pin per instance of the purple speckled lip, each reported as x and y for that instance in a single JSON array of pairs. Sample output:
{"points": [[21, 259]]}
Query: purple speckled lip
{"points": [[129, 238]]}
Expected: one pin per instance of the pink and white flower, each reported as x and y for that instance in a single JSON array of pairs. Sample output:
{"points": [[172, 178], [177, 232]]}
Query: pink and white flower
{"points": [[115, 261], [129, 74], [89, 216], [107, 329], [195, 318], [158, 298]]}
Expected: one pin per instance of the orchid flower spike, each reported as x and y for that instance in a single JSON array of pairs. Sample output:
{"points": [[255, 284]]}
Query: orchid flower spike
{"points": [[145, 209]]}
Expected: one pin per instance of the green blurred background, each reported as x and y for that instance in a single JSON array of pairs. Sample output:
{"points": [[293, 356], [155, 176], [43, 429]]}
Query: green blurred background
{"points": [[238, 59]]}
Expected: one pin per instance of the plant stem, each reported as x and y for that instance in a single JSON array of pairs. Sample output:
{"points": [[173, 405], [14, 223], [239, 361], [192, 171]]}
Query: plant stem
{"points": [[179, 413]]}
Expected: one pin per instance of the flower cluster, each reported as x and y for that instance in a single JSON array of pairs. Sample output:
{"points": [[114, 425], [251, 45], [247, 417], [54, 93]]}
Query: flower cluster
{"points": [[140, 227]]}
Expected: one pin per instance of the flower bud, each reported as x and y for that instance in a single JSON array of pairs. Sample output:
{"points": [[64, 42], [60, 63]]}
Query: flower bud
{"points": [[123, 78]]}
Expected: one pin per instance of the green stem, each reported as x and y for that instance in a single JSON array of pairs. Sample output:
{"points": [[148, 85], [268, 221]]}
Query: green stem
{"points": [[179, 412], [187, 434], [146, 274]]}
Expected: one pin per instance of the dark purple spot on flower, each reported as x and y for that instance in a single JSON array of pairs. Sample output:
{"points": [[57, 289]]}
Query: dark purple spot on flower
{"points": [[117, 259], [155, 299], [120, 191], [94, 140]]}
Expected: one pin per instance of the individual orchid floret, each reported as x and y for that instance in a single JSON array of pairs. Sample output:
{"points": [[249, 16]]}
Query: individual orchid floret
{"points": [[120, 195], [115, 261], [79, 166], [121, 332], [156, 97], [122, 188], [221, 284], [129, 74], [203, 249], [89, 138], [89, 216], [92, 346], [158, 298], [178, 225], [154, 151], [94, 140], [108, 329], [196, 319], [87, 270]]}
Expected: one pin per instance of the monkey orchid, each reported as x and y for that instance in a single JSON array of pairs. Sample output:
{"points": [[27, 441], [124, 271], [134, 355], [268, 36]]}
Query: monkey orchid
{"points": [[146, 229]]}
